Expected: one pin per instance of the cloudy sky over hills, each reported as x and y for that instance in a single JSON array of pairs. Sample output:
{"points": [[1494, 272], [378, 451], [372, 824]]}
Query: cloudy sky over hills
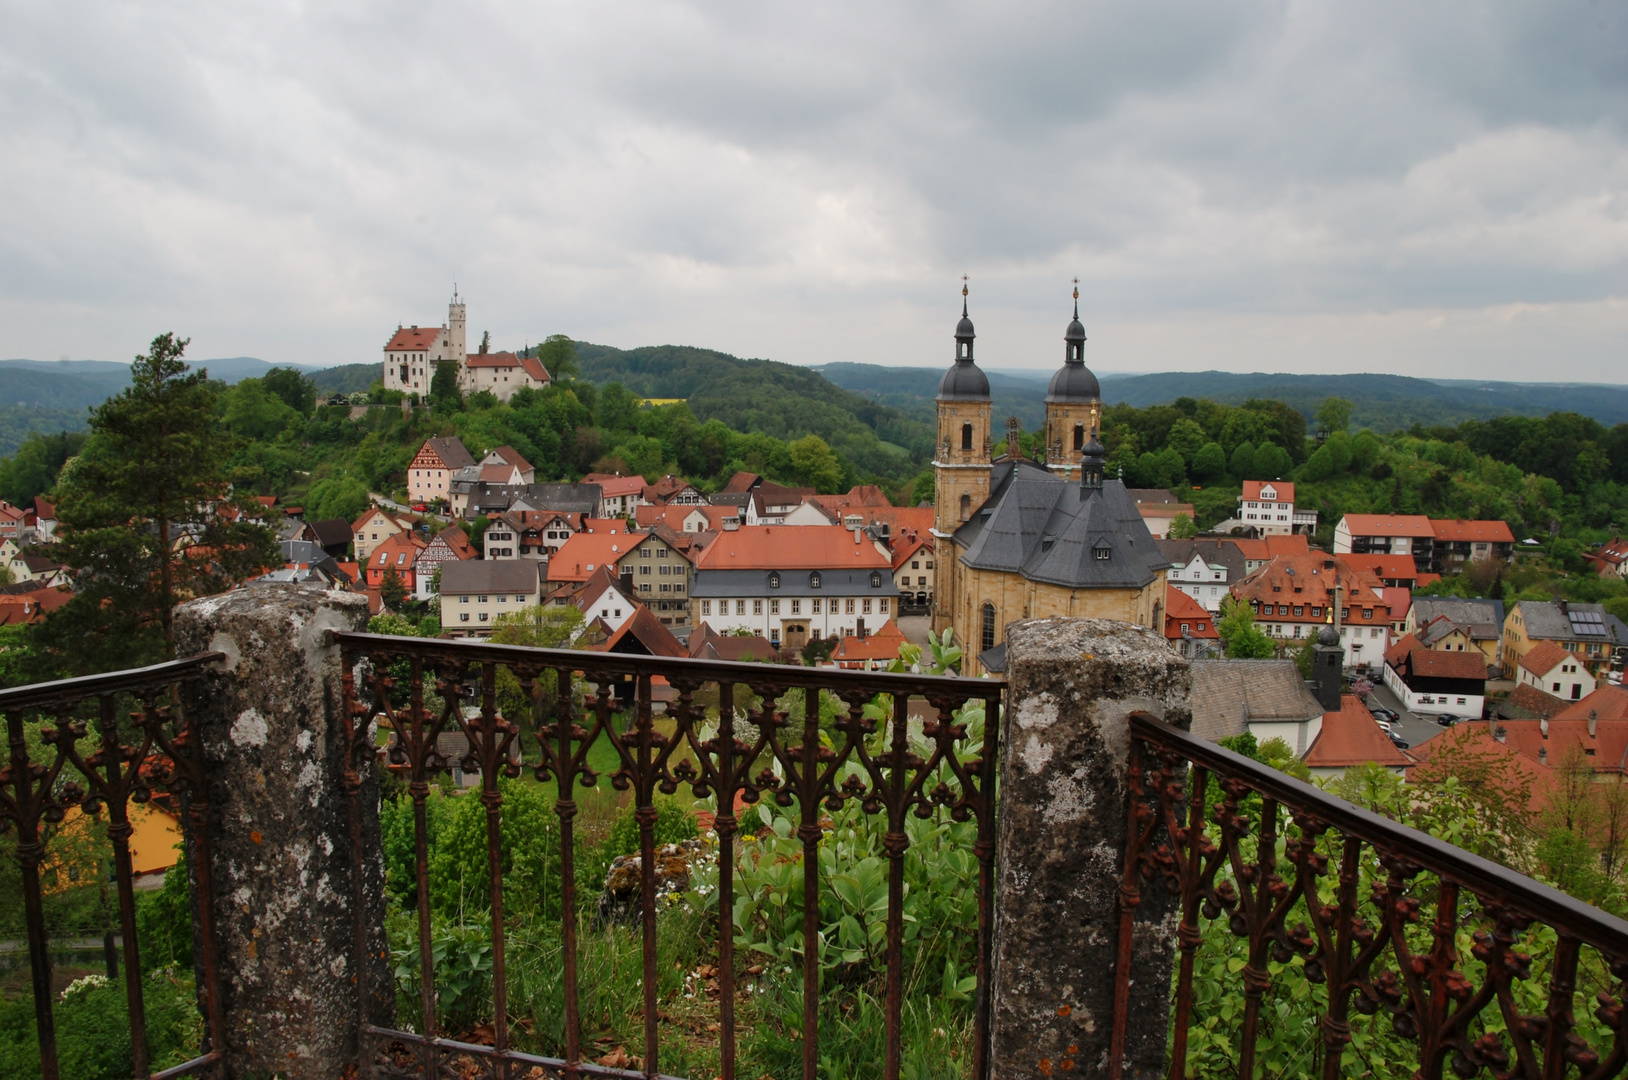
{"points": [[1433, 189]]}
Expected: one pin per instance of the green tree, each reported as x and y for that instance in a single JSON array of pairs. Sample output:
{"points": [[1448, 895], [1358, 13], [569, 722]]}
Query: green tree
{"points": [[485, 342], [1186, 438], [444, 390], [33, 469], [1210, 463], [559, 356], [1240, 637], [924, 489], [815, 464], [392, 589], [1182, 528], [294, 387], [1272, 462], [1333, 415], [147, 518], [543, 626], [1242, 465]]}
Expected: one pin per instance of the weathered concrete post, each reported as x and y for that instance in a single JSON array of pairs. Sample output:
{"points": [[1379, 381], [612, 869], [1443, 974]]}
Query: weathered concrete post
{"points": [[279, 821], [1065, 745]]}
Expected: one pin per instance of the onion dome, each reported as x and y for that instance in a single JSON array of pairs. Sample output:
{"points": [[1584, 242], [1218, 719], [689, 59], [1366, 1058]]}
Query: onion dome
{"points": [[1328, 636], [1074, 382], [964, 381]]}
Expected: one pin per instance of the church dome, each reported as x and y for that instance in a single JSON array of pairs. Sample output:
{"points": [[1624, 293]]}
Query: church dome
{"points": [[1328, 636], [1073, 383], [964, 382]]}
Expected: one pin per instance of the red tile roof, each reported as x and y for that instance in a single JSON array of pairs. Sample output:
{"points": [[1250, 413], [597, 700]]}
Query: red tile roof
{"points": [[791, 547], [1389, 525], [1493, 532], [1541, 658], [880, 647], [742, 482], [1411, 657], [1507, 769], [585, 552], [1384, 567], [512, 456], [1181, 608], [612, 486], [1252, 490], [399, 551], [1349, 737], [413, 339], [1607, 703], [1270, 547], [642, 634], [1313, 576]]}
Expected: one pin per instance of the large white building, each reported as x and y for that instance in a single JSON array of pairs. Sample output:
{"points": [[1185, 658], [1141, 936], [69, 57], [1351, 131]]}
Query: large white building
{"points": [[410, 357]]}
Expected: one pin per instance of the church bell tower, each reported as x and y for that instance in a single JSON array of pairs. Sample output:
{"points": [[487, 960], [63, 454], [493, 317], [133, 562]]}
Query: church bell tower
{"points": [[961, 464], [1073, 401]]}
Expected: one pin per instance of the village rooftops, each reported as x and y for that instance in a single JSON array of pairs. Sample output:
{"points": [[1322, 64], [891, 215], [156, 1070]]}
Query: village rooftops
{"points": [[1410, 656], [1228, 694], [1389, 525], [1351, 736], [793, 547], [1282, 491], [1460, 530], [1482, 620], [1560, 621], [585, 552], [1543, 657], [518, 576]]}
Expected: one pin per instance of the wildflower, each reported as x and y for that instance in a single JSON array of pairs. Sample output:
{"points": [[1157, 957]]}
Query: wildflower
{"points": [[88, 982]]}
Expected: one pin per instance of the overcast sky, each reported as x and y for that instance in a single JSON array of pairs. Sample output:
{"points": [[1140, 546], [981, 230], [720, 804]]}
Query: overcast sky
{"points": [[1415, 188]]}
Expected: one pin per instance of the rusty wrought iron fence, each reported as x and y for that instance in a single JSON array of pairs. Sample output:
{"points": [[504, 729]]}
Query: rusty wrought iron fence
{"points": [[1463, 962], [102, 743], [416, 690]]}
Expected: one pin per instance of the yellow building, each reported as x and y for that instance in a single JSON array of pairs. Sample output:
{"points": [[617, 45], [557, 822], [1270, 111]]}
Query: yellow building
{"points": [[1018, 539]]}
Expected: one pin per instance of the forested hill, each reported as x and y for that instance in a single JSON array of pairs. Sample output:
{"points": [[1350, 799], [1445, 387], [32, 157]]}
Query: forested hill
{"points": [[782, 400], [1383, 402]]}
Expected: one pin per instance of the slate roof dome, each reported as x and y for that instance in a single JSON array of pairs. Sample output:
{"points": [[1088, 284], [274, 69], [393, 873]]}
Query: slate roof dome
{"points": [[964, 381], [1073, 383], [1328, 636]]}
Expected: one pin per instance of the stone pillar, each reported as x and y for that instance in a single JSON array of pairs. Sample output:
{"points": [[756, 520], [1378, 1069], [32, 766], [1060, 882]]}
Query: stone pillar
{"points": [[278, 822], [1065, 743]]}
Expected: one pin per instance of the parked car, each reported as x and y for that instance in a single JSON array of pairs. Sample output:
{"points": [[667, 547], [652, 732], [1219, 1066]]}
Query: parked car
{"points": [[1397, 740], [421, 507], [1447, 719], [1384, 725], [1385, 714]]}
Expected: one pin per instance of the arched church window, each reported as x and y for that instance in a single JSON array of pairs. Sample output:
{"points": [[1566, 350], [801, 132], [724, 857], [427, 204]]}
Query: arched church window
{"points": [[966, 507], [1079, 436], [966, 436], [989, 626]]}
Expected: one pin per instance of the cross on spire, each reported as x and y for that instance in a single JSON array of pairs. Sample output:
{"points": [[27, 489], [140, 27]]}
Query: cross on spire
{"points": [[963, 296], [1076, 298]]}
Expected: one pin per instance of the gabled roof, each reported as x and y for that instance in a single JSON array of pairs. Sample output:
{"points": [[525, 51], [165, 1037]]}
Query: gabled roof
{"points": [[1482, 619], [45, 510], [413, 339], [1351, 736], [517, 576], [455, 540], [642, 635], [1315, 576], [400, 551], [791, 547], [450, 449], [1388, 525], [1384, 567], [612, 486], [1051, 530], [906, 545], [1284, 489], [586, 552], [1225, 553], [512, 456], [1410, 657], [1607, 703], [707, 644], [1227, 694], [1443, 757], [1179, 608], [602, 580], [1560, 622], [1270, 547], [673, 516], [882, 645], [1457, 529], [1544, 657], [330, 532], [742, 482], [395, 519]]}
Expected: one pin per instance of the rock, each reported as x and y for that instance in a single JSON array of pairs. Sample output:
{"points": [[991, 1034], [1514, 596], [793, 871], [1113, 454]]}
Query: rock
{"points": [[622, 900]]}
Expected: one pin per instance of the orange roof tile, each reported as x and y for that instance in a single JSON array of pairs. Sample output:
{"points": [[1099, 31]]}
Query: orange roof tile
{"points": [[1314, 576], [882, 645], [1494, 532], [1384, 567], [1180, 608], [413, 339], [1389, 525], [1351, 737], [791, 547], [1443, 757], [1607, 702], [1270, 547], [584, 552], [1252, 490], [1541, 658], [392, 552]]}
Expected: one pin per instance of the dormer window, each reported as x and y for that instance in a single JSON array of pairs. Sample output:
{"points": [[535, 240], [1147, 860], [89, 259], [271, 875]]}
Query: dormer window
{"points": [[774, 580], [1102, 551], [876, 580], [814, 580]]}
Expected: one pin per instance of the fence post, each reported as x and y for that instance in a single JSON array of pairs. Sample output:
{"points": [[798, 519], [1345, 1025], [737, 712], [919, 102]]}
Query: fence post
{"points": [[277, 827], [1065, 743]]}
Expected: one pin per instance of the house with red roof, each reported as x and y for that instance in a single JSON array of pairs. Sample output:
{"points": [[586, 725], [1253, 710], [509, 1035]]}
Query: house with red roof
{"points": [[585, 552], [1268, 505], [374, 528], [873, 652], [1551, 669], [1609, 559], [672, 490], [1459, 541], [1350, 736], [429, 476], [398, 555], [619, 496], [451, 544], [1188, 627], [913, 569], [1432, 681], [1257, 553], [1436, 546], [501, 374], [688, 518], [1293, 596]]}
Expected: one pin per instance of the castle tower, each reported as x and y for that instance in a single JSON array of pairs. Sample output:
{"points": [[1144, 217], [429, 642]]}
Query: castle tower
{"points": [[1073, 401], [961, 460], [456, 349]]}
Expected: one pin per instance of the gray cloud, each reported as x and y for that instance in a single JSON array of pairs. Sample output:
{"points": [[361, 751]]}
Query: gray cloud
{"points": [[1251, 185]]}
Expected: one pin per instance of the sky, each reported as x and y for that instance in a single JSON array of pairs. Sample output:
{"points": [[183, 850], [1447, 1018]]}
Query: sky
{"points": [[1426, 189]]}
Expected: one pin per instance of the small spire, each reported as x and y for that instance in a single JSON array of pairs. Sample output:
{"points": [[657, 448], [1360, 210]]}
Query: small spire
{"points": [[963, 296], [1076, 298]]}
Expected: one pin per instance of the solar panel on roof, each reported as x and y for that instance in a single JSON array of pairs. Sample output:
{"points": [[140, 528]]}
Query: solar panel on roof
{"points": [[1587, 622]]}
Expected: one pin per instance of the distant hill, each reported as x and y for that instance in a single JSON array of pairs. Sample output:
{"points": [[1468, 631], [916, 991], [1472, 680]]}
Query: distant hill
{"points": [[782, 400], [1383, 402], [347, 378], [913, 390]]}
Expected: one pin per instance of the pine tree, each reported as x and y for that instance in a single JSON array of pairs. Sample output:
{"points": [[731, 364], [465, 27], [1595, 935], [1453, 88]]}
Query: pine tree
{"points": [[147, 518]]}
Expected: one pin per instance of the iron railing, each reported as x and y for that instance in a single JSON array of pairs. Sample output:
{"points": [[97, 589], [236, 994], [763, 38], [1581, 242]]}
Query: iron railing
{"points": [[664, 746], [1442, 951], [105, 742]]}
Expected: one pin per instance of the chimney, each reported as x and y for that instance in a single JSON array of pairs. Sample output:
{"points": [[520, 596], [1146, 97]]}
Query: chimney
{"points": [[1593, 722], [1543, 725], [1499, 733], [1543, 755]]}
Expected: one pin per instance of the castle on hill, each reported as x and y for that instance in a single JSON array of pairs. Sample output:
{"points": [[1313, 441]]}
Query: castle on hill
{"points": [[411, 356]]}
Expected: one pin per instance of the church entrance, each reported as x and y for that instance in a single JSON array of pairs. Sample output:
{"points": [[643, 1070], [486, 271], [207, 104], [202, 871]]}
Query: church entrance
{"points": [[793, 636]]}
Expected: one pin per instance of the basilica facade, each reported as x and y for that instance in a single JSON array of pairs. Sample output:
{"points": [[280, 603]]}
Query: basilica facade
{"points": [[1020, 538]]}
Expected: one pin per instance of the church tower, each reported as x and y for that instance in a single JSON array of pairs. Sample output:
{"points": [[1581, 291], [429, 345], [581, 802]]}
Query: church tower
{"points": [[456, 349], [1073, 402], [960, 462]]}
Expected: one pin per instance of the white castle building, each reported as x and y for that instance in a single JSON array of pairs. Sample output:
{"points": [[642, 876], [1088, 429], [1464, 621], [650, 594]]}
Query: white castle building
{"points": [[411, 355]]}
